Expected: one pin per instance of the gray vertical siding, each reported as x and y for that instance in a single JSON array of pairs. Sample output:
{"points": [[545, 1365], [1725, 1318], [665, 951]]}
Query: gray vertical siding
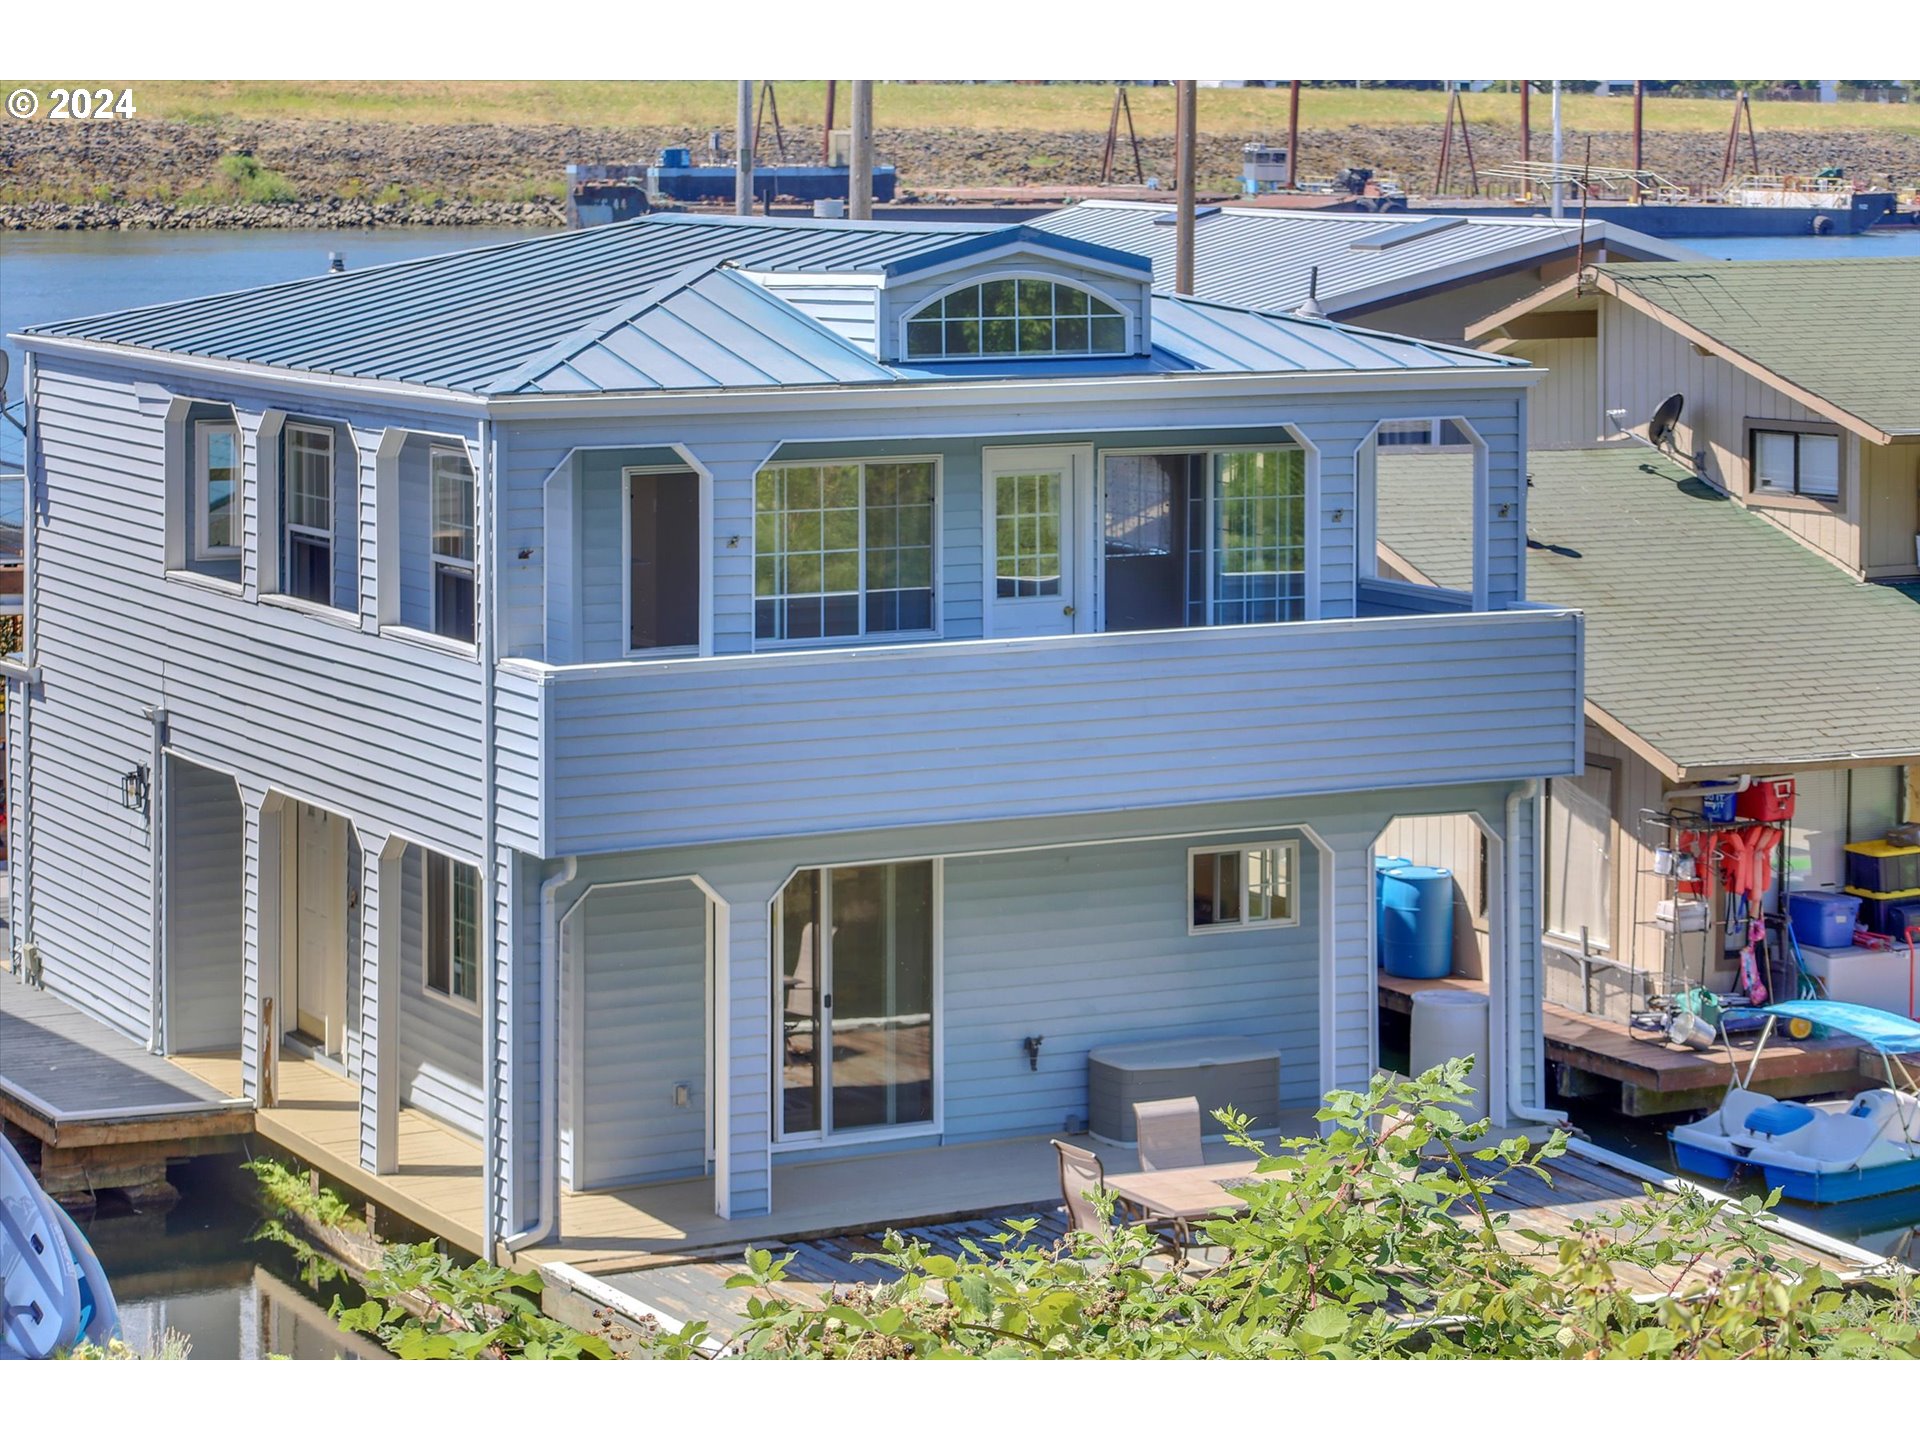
{"points": [[440, 1050], [1089, 947], [206, 842]]}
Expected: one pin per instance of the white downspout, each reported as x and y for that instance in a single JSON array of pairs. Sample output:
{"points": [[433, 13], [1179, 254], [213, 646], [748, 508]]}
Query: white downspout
{"points": [[27, 960], [1517, 1107], [157, 875], [490, 871], [549, 1215]]}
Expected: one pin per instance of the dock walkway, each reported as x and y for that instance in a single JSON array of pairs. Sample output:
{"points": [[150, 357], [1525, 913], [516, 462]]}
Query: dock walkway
{"points": [[1654, 1077], [106, 1113]]}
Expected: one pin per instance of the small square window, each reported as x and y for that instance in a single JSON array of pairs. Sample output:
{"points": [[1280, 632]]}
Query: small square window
{"points": [[1245, 887]]}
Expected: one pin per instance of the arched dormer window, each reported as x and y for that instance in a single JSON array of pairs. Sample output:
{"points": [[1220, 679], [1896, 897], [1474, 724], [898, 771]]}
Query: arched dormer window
{"points": [[1015, 317]]}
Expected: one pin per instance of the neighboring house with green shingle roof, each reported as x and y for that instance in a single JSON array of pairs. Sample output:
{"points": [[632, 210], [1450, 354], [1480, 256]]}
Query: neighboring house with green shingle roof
{"points": [[1715, 647], [1801, 398]]}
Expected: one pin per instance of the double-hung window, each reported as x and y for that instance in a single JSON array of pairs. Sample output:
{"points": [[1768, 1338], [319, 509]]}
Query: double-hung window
{"points": [[452, 929], [1243, 887], [307, 516], [451, 483], [216, 490], [1796, 462], [844, 549]]}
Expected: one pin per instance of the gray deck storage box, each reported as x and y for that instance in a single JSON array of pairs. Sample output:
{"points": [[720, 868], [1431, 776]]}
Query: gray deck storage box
{"points": [[1220, 1070]]}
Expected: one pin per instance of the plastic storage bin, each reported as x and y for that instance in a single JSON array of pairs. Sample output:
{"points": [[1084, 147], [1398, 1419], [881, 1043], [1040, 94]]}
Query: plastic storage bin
{"points": [[1446, 1025], [1880, 868], [1877, 909], [1823, 919], [1416, 922], [1765, 800], [1901, 916], [1719, 808]]}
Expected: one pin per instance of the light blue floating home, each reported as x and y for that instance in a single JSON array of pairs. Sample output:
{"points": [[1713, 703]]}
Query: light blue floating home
{"points": [[686, 698]]}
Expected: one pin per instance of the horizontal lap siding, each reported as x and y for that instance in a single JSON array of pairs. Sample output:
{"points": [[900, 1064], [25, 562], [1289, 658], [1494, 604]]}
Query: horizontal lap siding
{"points": [[1090, 947], [938, 734], [439, 1042], [387, 733]]}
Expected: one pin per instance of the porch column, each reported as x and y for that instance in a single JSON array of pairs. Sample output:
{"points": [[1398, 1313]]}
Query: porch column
{"points": [[380, 965], [1349, 1031], [743, 1050], [260, 936]]}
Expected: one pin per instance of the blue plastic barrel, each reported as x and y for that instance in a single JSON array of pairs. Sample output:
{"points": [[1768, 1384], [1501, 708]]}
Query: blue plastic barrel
{"points": [[1382, 864], [1416, 922]]}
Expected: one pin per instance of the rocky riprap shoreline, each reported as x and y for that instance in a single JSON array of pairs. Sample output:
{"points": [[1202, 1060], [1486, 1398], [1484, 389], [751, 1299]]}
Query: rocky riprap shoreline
{"points": [[358, 173]]}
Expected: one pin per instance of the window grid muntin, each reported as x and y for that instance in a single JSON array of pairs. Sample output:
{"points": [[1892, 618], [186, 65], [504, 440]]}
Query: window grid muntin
{"points": [[1027, 538], [842, 525], [210, 540], [1019, 316], [1252, 887], [450, 524], [450, 938], [307, 521], [1258, 536]]}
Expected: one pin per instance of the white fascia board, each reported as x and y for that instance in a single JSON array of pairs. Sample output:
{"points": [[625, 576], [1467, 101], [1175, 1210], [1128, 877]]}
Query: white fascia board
{"points": [[981, 259], [268, 377], [909, 394]]}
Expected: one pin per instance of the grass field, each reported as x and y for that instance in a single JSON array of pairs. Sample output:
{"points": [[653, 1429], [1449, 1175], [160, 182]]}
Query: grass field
{"points": [[1066, 107]]}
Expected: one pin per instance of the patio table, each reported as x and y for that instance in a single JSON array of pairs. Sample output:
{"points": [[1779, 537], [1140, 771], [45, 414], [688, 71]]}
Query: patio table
{"points": [[1188, 1194]]}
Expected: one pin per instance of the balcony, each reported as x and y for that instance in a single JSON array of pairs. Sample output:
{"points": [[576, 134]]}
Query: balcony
{"points": [[643, 754]]}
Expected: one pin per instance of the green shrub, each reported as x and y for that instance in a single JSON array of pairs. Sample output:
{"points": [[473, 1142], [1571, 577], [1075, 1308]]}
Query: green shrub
{"points": [[247, 179], [293, 1192], [1376, 1240]]}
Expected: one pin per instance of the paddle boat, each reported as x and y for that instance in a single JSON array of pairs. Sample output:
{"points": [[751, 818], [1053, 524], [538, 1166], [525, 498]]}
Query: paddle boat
{"points": [[1827, 1151], [53, 1292]]}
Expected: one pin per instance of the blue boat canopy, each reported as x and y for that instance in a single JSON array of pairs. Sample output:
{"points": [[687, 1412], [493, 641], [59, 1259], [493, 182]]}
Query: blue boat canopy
{"points": [[1885, 1031]]}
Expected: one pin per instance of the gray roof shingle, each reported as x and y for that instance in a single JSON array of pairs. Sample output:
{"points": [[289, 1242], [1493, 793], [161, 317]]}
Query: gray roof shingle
{"points": [[1711, 635]]}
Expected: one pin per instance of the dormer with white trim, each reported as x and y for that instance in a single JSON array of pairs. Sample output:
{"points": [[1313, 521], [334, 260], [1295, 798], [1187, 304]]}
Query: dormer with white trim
{"points": [[1007, 296]]}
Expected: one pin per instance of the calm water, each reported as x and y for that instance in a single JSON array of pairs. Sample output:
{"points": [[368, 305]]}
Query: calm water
{"points": [[55, 275], [1811, 247], [204, 1269]]}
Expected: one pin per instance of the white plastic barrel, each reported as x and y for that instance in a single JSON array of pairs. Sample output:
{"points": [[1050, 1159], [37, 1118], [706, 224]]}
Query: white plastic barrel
{"points": [[1448, 1024]]}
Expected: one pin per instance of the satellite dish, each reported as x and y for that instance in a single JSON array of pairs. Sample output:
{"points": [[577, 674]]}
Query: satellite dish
{"points": [[1660, 427]]}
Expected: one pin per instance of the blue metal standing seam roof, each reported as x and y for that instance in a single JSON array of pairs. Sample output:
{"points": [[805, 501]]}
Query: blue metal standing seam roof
{"points": [[1262, 258], [658, 304]]}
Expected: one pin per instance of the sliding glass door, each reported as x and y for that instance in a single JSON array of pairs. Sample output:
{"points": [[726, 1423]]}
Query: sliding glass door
{"points": [[855, 952]]}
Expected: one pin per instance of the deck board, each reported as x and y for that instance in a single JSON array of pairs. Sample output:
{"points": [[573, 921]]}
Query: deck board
{"points": [[70, 1079]]}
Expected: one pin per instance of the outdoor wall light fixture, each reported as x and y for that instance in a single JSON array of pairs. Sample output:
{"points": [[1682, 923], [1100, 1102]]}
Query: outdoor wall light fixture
{"points": [[1032, 1044], [1339, 514], [133, 789]]}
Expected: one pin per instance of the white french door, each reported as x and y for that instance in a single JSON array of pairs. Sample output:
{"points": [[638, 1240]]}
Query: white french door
{"points": [[1031, 498]]}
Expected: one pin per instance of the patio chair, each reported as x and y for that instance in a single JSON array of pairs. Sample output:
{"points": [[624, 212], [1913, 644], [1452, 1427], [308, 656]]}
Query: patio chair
{"points": [[1169, 1133], [1080, 1174]]}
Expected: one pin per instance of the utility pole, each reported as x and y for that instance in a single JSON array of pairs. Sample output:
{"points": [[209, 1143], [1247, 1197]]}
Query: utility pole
{"points": [[1639, 140], [1559, 156], [860, 172], [1293, 134], [826, 133], [1186, 110], [1526, 134], [743, 152]]}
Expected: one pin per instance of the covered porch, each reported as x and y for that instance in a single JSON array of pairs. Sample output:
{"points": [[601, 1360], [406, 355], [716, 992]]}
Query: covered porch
{"points": [[437, 1183]]}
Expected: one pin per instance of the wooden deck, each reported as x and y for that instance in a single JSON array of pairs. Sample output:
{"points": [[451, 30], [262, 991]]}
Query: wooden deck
{"points": [[106, 1113], [1580, 1186], [1656, 1077]]}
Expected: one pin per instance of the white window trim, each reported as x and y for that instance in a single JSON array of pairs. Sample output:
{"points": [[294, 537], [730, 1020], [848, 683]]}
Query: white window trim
{"points": [[447, 997], [1310, 556], [1129, 319], [936, 574], [288, 528], [1367, 498], [202, 437], [428, 640], [1232, 927], [873, 1134], [435, 560], [1798, 430], [703, 540]]}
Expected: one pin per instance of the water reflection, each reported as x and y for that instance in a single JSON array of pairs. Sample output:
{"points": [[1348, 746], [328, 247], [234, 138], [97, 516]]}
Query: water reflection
{"points": [[236, 1285]]}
